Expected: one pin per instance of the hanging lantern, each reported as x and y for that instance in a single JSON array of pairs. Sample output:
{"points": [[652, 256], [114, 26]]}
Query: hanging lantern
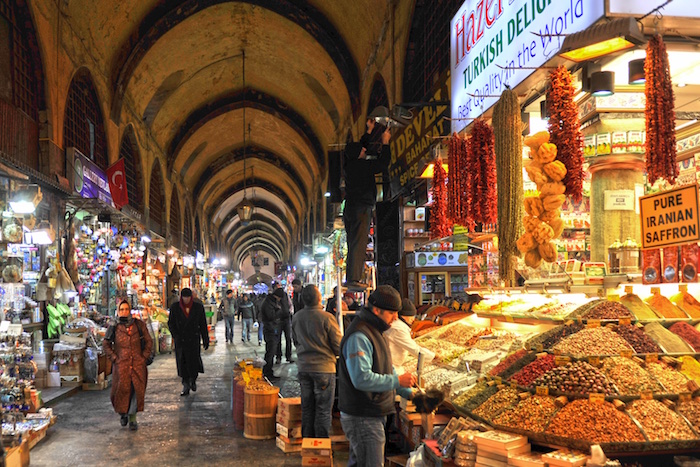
{"points": [[245, 211]]}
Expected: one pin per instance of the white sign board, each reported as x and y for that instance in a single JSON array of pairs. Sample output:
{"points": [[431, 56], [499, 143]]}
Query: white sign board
{"points": [[619, 200], [498, 43], [682, 8]]}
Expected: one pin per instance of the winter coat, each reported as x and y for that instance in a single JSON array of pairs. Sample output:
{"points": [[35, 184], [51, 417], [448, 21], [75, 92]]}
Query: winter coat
{"points": [[187, 332], [317, 339], [271, 312], [246, 310], [122, 345]]}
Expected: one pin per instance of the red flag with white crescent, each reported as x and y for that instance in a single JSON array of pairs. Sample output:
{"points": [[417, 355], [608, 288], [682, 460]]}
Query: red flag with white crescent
{"points": [[116, 174]]}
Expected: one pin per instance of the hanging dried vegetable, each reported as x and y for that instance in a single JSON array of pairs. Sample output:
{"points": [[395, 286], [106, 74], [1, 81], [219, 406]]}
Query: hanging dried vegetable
{"points": [[482, 205], [439, 224], [507, 127], [660, 117], [457, 180], [565, 130]]}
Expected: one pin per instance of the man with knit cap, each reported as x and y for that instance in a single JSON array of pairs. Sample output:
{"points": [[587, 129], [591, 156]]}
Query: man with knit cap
{"points": [[366, 379], [399, 338], [317, 339]]}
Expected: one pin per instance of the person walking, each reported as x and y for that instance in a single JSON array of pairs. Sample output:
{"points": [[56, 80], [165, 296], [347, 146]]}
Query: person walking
{"points": [[400, 341], [246, 313], [285, 328], [188, 324], [228, 311], [366, 379], [297, 303], [128, 345], [317, 339], [271, 316]]}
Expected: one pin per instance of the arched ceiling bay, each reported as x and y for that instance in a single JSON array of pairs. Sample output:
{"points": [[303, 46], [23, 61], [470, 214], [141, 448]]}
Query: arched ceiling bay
{"points": [[254, 242], [255, 234], [257, 226], [261, 198], [264, 215]]}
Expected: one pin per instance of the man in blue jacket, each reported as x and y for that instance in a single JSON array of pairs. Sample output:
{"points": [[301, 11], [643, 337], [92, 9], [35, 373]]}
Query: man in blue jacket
{"points": [[366, 379]]}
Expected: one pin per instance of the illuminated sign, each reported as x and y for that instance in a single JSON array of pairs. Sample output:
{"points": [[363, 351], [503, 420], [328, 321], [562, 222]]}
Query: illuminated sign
{"points": [[499, 43], [670, 217]]}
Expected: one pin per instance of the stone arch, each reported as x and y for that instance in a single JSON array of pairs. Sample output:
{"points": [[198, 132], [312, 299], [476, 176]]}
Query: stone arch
{"points": [[129, 151], [175, 220], [156, 200], [187, 229]]}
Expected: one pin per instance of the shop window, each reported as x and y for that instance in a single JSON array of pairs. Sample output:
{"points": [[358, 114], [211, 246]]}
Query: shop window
{"points": [[156, 198], [132, 165], [83, 127], [428, 51], [175, 224], [187, 229]]}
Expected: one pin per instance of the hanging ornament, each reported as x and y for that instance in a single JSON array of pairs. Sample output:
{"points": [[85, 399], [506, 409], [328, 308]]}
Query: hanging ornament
{"points": [[660, 143], [565, 129]]}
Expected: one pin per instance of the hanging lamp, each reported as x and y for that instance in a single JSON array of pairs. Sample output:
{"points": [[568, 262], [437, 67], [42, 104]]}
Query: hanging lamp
{"points": [[245, 208]]}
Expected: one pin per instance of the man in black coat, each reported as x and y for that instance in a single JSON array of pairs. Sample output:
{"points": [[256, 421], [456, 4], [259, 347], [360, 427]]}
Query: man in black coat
{"points": [[187, 324], [271, 315]]}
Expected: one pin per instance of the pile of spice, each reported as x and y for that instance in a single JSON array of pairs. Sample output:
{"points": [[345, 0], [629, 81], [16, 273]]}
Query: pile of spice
{"points": [[594, 422], [593, 341], [691, 410], [674, 381], [532, 414], [576, 378], [506, 397], [688, 333], [534, 370], [628, 377], [663, 306], [690, 368], [549, 338], [668, 341], [608, 310], [507, 362], [475, 396], [638, 339], [637, 306], [687, 303], [659, 422]]}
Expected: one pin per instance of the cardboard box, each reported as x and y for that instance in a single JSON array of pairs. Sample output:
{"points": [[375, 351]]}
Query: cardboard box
{"points": [[287, 420], [324, 461], [289, 408], [17, 456], [287, 447], [73, 367], [294, 441], [316, 447], [293, 432]]}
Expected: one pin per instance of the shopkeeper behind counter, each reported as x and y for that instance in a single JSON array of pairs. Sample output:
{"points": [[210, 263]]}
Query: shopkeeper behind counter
{"points": [[399, 338]]}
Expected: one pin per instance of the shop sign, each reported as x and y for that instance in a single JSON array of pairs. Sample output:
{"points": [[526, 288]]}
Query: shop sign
{"points": [[619, 200], [410, 146], [88, 180], [670, 217], [431, 259], [681, 8], [499, 43]]}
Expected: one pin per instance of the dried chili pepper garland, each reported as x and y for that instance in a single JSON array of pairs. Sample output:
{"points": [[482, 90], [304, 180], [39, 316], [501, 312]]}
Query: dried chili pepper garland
{"points": [[565, 130], [439, 224], [660, 117], [456, 180], [482, 168]]}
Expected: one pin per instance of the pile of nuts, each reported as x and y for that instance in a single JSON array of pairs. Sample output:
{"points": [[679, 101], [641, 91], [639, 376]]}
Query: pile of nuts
{"points": [[534, 370], [691, 411], [578, 378], [593, 341], [532, 414], [638, 339], [475, 396], [504, 398], [554, 335], [629, 378], [659, 422], [594, 422], [674, 381], [608, 310]]}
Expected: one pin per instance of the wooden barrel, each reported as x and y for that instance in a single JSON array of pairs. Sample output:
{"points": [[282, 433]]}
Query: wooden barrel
{"points": [[238, 397], [260, 408]]}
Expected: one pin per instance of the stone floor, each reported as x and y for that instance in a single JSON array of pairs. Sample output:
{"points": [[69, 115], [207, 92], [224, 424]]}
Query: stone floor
{"points": [[173, 430]]}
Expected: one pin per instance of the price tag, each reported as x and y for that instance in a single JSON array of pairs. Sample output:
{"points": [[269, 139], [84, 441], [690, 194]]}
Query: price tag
{"points": [[625, 321], [542, 390], [596, 398], [579, 320], [556, 351], [593, 323], [509, 319], [629, 289], [655, 290], [539, 347], [594, 360], [627, 353], [601, 293], [652, 358], [613, 297], [646, 395], [685, 397], [561, 361]]}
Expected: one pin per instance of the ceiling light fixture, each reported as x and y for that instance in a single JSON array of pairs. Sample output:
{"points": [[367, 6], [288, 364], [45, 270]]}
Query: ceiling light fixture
{"points": [[603, 83], [429, 170], [603, 39], [635, 70]]}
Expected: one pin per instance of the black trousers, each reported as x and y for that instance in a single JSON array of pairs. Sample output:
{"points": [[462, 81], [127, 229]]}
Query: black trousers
{"points": [[271, 334], [357, 218], [286, 328]]}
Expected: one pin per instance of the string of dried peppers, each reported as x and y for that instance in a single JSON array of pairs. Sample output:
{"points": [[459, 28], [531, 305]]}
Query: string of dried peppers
{"points": [[660, 117], [457, 179], [439, 224], [565, 129], [507, 128], [481, 173]]}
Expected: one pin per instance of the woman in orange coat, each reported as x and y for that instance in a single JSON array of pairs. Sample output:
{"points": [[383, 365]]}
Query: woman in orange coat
{"points": [[128, 344]]}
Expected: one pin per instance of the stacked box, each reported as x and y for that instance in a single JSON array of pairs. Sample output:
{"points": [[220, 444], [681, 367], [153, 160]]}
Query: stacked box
{"points": [[495, 448], [289, 424], [316, 451]]}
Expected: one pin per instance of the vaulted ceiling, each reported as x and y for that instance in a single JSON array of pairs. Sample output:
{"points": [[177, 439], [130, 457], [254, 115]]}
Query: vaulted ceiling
{"points": [[178, 66]]}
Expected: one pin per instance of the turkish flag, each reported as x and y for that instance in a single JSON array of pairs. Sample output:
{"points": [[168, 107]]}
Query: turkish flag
{"points": [[116, 175]]}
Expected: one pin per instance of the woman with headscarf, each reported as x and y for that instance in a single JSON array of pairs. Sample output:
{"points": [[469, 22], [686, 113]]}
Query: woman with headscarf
{"points": [[188, 324], [128, 345]]}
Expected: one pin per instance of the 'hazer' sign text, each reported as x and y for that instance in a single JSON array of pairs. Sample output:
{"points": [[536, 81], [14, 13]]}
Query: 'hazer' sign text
{"points": [[495, 43], [670, 217]]}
